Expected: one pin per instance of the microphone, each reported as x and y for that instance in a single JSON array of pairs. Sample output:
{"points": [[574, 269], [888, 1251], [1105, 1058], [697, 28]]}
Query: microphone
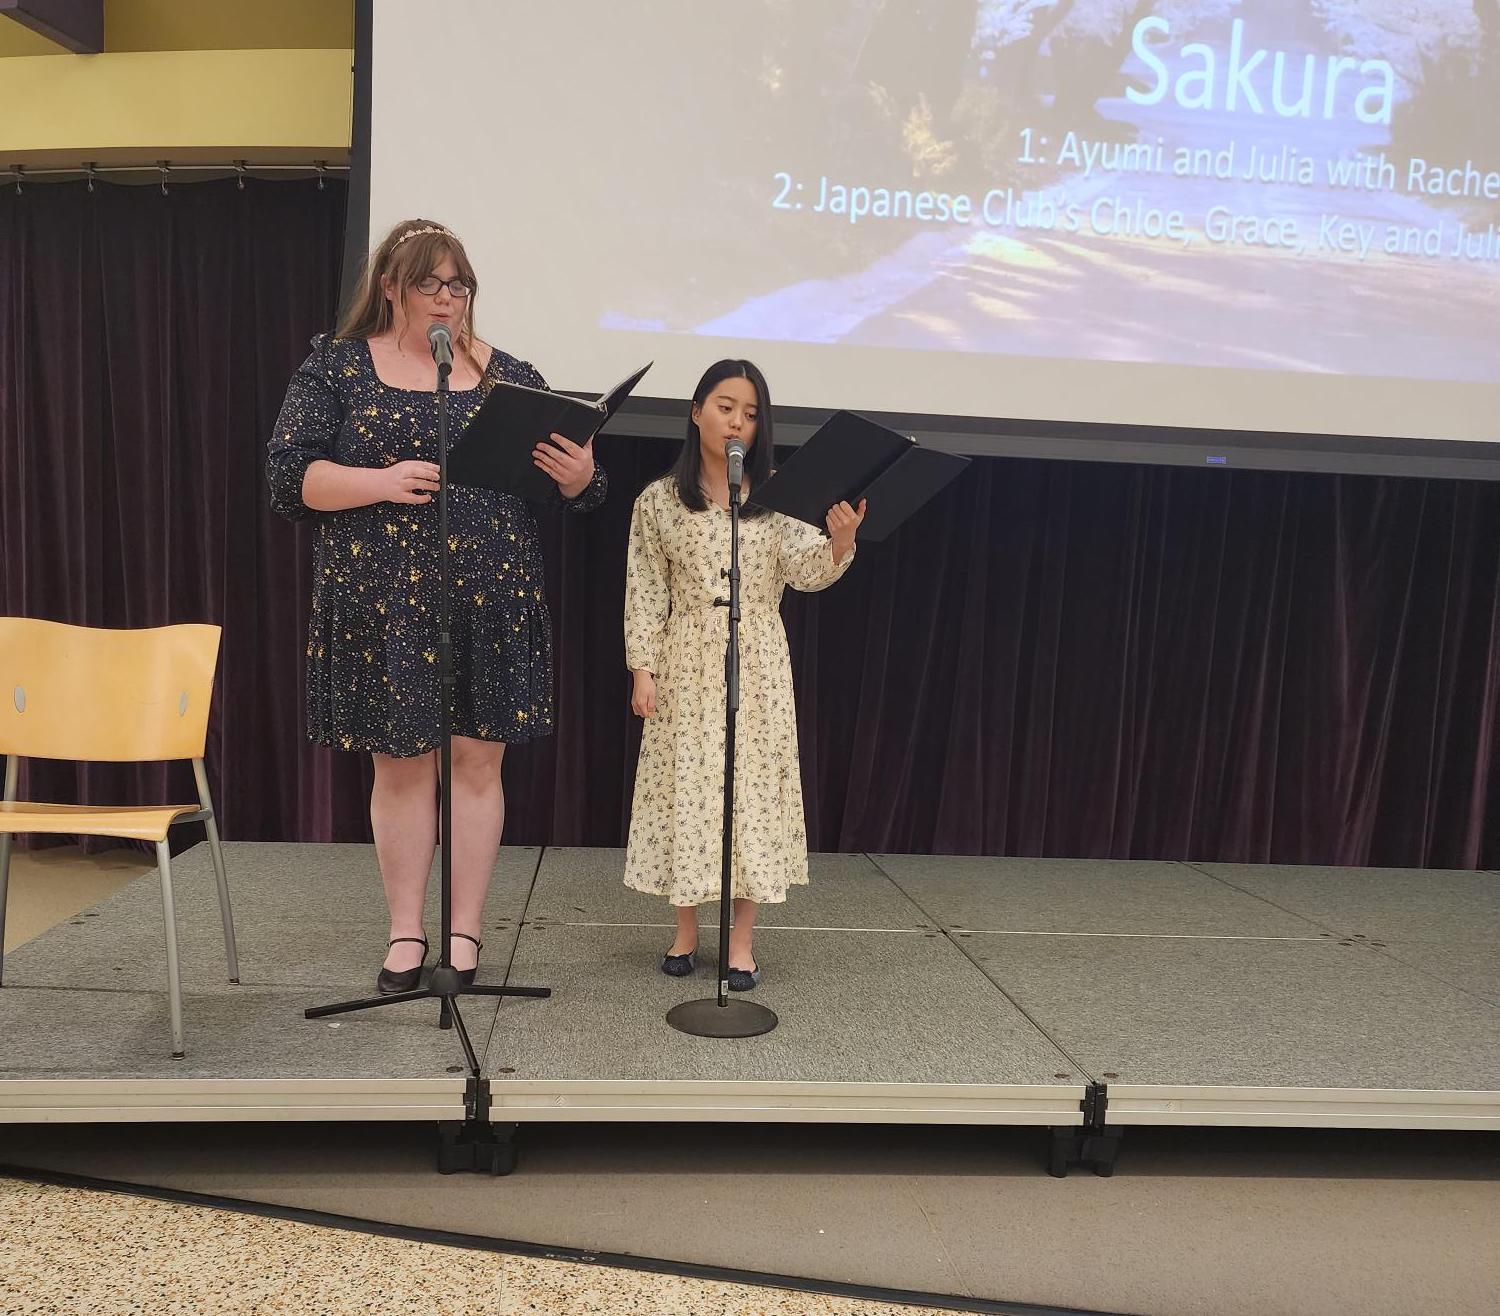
{"points": [[734, 458], [441, 343]]}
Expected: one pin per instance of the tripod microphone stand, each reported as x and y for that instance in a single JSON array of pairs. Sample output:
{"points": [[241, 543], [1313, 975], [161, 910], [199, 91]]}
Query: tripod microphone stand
{"points": [[719, 1016], [475, 1140]]}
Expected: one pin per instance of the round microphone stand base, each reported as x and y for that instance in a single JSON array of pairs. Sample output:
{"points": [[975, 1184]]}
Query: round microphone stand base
{"points": [[732, 1018]]}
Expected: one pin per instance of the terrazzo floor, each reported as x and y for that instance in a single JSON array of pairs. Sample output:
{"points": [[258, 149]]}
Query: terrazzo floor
{"points": [[67, 1250]]}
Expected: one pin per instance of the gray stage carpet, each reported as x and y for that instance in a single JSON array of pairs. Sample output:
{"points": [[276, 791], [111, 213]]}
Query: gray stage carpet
{"points": [[895, 970]]}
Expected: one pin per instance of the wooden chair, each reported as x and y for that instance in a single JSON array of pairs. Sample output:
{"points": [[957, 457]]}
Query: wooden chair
{"points": [[77, 692]]}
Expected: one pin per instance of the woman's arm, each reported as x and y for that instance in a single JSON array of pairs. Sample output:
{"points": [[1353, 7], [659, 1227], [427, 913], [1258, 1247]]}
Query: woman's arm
{"points": [[305, 434], [301, 469], [328, 486], [809, 560], [648, 604]]}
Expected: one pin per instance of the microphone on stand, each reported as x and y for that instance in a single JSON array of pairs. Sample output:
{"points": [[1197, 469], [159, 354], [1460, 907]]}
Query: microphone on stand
{"points": [[734, 458], [441, 343]]}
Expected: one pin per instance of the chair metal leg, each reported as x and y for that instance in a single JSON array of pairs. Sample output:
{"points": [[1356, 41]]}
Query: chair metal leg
{"points": [[205, 801], [12, 771], [169, 917], [4, 889]]}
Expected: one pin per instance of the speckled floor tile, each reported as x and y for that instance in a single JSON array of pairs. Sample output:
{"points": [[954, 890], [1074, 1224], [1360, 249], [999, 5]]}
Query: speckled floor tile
{"points": [[559, 1286], [65, 1251]]}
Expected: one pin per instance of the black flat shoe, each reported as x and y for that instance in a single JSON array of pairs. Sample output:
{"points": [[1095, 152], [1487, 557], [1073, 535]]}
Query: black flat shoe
{"points": [[390, 981], [679, 966], [466, 976], [744, 980]]}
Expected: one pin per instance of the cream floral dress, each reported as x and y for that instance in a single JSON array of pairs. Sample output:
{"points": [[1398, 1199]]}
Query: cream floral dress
{"points": [[673, 630]]}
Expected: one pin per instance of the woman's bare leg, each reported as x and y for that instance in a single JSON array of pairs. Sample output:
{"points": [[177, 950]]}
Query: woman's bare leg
{"points": [[478, 822], [403, 817], [741, 931], [686, 940]]}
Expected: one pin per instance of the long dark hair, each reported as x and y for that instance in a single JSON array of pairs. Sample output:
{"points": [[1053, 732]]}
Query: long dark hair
{"points": [[687, 474]]}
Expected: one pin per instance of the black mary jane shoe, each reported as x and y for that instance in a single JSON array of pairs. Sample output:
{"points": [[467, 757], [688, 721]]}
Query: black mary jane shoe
{"points": [[390, 981], [466, 976], [744, 980], [679, 966]]}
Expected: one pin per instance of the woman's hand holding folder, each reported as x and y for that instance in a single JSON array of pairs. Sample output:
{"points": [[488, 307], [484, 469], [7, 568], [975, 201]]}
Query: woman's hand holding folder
{"points": [[569, 465], [843, 524]]}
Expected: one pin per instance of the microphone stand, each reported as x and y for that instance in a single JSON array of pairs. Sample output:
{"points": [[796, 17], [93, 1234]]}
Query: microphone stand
{"points": [[720, 1016], [474, 1145]]}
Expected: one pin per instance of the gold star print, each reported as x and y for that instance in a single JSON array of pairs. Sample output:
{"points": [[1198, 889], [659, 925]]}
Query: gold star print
{"points": [[372, 411], [416, 575], [479, 600], [430, 656], [355, 546], [390, 528]]}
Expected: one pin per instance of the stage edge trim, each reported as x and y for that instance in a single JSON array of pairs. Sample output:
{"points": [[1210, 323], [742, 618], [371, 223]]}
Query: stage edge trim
{"points": [[136, 1101], [829, 1103], [1313, 1108]]}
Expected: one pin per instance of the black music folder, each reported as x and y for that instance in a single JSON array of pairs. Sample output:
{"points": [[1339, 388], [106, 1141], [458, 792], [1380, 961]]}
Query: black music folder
{"points": [[849, 458], [494, 450]]}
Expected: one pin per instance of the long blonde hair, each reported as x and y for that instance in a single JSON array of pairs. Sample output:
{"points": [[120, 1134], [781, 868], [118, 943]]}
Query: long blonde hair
{"points": [[406, 255]]}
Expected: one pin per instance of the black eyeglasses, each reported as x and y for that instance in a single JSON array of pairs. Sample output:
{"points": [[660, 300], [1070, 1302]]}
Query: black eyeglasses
{"points": [[457, 287]]}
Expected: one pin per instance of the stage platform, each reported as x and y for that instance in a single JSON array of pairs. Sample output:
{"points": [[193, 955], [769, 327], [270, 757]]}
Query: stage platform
{"points": [[1074, 994]]}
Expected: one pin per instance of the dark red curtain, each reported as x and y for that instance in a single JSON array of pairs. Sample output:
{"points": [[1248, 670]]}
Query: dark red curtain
{"points": [[1055, 658]]}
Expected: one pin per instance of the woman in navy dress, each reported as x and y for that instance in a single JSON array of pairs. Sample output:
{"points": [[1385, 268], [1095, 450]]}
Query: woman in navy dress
{"points": [[356, 448]]}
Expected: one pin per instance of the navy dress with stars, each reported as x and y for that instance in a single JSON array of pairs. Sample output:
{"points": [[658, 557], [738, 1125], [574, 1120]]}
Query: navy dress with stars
{"points": [[372, 660]]}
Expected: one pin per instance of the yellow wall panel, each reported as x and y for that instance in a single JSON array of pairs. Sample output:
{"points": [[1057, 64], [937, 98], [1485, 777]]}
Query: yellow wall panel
{"points": [[18, 40], [131, 25], [174, 103]]}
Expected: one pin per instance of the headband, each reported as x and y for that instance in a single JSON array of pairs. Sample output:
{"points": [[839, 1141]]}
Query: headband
{"points": [[413, 232]]}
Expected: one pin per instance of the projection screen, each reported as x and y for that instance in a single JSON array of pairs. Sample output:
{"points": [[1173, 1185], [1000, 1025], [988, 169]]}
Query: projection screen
{"points": [[1068, 220]]}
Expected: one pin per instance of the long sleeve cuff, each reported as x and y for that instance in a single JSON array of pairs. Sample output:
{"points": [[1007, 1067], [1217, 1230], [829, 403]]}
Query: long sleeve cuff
{"points": [[592, 495]]}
